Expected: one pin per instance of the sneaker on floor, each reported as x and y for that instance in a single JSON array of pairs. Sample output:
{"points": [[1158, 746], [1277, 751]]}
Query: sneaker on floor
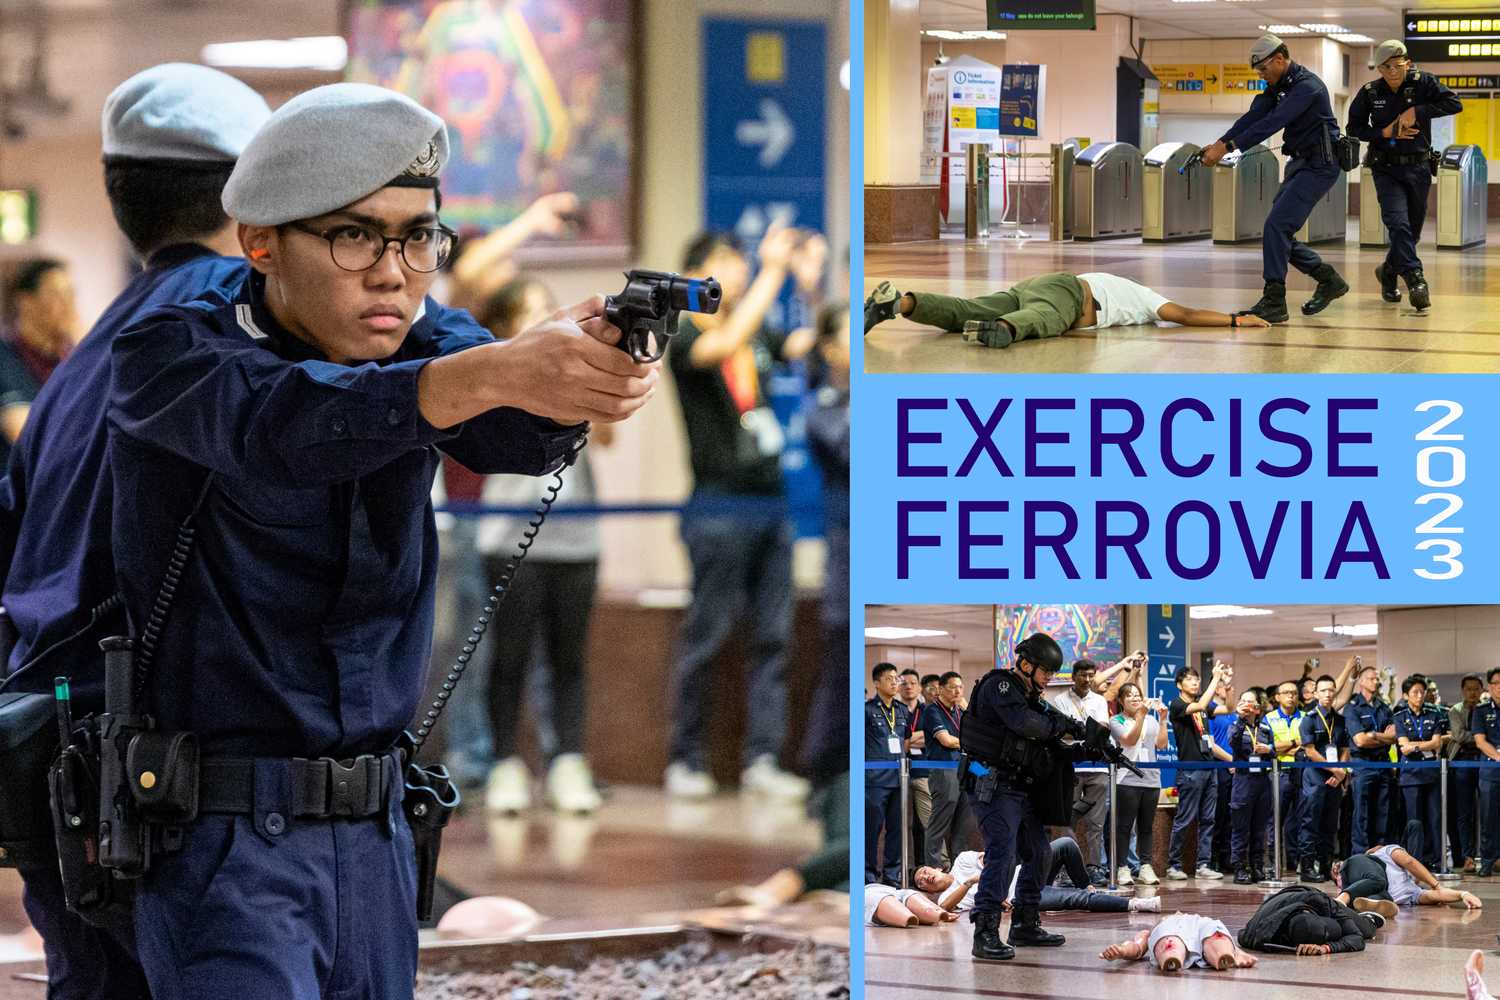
{"points": [[570, 785], [1175, 874], [1148, 875], [1384, 907], [1123, 878], [508, 790], [883, 304], [1146, 904], [1098, 876], [1205, 872], [685, 783], [764, 778]]}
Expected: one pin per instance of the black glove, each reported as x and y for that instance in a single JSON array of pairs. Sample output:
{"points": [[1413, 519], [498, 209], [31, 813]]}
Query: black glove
{"points": [[1096, 736], [1075, 728]]}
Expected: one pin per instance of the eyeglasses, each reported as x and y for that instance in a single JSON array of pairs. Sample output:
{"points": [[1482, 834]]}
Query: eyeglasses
{"points": [[359, 248]]}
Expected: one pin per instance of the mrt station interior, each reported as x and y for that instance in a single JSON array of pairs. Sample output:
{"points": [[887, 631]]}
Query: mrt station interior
{"points": [[632, 110], [1091, 168], [1420, 952]]}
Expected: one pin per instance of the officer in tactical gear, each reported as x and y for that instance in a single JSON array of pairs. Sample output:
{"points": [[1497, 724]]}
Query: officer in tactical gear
{"points": [[1297, 101], [1017, 774], [1394, 115]]}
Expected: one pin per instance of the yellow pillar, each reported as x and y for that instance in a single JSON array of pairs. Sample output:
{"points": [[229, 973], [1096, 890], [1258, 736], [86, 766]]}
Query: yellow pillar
{"points": [[894, 87]]}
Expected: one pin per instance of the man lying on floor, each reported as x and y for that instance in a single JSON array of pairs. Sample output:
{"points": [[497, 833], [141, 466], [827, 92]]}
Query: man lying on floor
{"points": [[1043, 306], [1182, 941], [1386, 876], [955, 889], [1308, 921]]}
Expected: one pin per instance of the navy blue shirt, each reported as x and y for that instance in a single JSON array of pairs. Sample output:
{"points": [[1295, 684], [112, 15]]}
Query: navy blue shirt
{"points": [[1299, 104], [938, 718], [17, 388], [1420, 726], [1361, 716], [1320, 728], [1376, 105], [56, 501], [1485, 721], [1243, 737], [881, 723], [303, 623]]}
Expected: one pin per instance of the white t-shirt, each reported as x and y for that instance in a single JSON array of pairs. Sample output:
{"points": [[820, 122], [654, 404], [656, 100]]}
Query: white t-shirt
{"points": [[1144, 751], [1091, 706], [965, 866], [1403, 888], [1192, 929], [1122, 302]]}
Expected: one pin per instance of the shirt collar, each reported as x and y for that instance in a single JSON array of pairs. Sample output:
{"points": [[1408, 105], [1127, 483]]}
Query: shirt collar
{"points": [[177, 253]]}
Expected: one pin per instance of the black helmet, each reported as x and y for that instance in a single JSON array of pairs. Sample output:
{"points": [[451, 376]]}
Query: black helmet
{"points": [[1041, 650]]}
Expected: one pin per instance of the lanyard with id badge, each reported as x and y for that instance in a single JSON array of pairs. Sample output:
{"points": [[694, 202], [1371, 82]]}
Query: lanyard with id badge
{"points": [[1330, 750], [892, 742]]}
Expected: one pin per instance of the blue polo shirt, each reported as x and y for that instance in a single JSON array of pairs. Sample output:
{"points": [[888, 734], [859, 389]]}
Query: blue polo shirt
{"points": [[1361, 716], [1420, 726], [938, 718], [881, 723]]}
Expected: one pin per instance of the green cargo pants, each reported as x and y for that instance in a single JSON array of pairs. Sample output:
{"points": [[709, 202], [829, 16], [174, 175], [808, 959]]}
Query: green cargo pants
{"points": [[1043, 306]]}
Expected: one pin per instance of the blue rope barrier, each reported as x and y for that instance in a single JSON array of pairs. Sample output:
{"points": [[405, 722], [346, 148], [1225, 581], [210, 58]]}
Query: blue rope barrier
{"points": [[1219, 765]]}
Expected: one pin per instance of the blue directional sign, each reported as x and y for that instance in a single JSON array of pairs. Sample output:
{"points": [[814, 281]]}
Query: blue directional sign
{"points": [[764, 84], [1166, 652]]}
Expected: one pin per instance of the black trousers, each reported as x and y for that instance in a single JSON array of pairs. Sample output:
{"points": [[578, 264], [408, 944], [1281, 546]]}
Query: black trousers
{"points": [[547, 611], [1403, 208]]}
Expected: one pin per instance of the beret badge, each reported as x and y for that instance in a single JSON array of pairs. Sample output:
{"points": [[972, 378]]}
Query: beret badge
{"points": [[426, 163]]}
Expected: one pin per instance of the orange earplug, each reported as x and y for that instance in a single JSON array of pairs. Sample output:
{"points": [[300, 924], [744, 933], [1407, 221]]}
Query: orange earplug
{"points": [[260, 253]]}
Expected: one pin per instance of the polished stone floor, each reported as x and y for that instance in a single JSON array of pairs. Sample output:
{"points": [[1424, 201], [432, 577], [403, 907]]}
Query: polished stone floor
{"points": [[1358, 334], [1421, 954]]}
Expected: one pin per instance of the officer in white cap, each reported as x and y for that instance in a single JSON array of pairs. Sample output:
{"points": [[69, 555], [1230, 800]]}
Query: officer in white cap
{"points": [[1297, 101], [171, 136], [295, 433], [1394, 115]]}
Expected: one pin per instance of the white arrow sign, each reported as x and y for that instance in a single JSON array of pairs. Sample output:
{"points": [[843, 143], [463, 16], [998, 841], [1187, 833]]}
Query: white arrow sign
{"points": [[773, 132], [1167, 634]]}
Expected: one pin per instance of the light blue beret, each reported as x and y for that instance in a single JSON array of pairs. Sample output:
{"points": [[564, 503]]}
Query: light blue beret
{"points": [[330, 147], [178, 111]]}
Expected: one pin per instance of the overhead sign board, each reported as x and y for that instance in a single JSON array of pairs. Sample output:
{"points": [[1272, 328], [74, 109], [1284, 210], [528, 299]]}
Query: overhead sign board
{"points": [[1015, 15], [1188, 78], [1449, 36]]}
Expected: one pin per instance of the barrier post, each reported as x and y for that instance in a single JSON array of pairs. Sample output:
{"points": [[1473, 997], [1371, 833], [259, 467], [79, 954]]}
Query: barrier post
{"points": [[977, 191], [1445, 874], [1276, 880], [1115, 889], [905, 821]]}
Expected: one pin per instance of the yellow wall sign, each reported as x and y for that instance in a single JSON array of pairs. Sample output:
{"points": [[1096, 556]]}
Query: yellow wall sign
{"points": [[1241, 80], [765, 57], [1188, 78], [964, 118]]}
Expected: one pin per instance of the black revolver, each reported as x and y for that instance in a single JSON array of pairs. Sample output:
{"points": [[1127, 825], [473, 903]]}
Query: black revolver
{"points": [[646, 311]]}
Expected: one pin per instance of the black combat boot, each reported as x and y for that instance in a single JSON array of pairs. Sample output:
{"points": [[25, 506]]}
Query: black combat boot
{"points": [[1325, 869], [1310, 871], [1272, 304], [987, 943], [1026, 930], [1244, 876], [1330, 287], [1389, 290], [1416, 288]]}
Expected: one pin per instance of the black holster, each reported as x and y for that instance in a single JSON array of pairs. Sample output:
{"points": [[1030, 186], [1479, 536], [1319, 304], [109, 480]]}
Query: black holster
{"points": [[1346, 150], [429, 801]]}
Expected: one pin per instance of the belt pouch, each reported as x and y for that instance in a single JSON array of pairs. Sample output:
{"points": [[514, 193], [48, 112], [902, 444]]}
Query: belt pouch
{"points": [[163, 773], [28, 745]]}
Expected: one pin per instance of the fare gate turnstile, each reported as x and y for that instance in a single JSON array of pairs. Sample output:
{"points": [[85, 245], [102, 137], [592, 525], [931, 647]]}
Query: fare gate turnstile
{"points": [[1372, 231], [1060, 218], [1329, 221], [1107, 192], [1245, 183], [1176, 206], [1462, 198]]}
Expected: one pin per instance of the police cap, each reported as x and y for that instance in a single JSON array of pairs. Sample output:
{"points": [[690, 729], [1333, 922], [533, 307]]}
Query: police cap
{"points": [[182, 114], [330, 147], [1042, 651]]}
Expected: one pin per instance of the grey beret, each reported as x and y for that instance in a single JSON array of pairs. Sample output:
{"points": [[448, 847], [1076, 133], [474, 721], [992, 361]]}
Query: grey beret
{"points": [[1388, 48], [178, 111], [1263, 47], [330, 147]]}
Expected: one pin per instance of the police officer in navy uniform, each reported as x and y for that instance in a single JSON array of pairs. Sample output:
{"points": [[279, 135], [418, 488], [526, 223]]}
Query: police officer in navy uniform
{"points": [[296, 429], [1297, 101], [1007, 731], [1252, 743], [1420, 728], [1324, 739], [1484, 721], [887, 722], [1394, 115], [1371, 734]]}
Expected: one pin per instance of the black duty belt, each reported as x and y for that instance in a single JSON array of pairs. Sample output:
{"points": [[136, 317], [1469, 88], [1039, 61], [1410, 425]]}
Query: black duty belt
{"points": [[1381, 159], [320, 789]]}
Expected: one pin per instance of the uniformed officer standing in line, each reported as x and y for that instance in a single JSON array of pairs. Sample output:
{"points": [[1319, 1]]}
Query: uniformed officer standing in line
{"points": [[1486, 725], [1394, 115], [1297, 101], [887, 721], [1463, 782], [1250, 742], [296, 430], [1006, 731], [1324, 739], [1420, 729], [1368, 719], [1285, 721]]}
